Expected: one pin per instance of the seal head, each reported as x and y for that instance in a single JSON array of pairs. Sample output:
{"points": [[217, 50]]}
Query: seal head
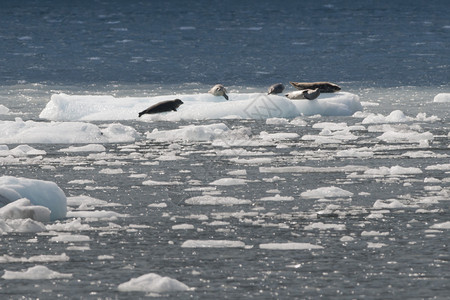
{"points": [[277, 88], [218, 90]]}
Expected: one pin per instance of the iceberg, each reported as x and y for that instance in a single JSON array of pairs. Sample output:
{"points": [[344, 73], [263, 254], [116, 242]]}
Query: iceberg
{"points": [[40, 196], [63, 107]]}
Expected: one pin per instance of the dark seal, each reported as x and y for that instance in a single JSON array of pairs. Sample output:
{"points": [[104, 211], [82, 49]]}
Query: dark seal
{"points": [[277, 88], [324, 87], [162, 107]]}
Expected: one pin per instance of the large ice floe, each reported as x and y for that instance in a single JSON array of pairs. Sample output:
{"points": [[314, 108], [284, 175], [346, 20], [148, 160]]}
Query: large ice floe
{"points": [[22, 198], [19, 131], [63, 107]]}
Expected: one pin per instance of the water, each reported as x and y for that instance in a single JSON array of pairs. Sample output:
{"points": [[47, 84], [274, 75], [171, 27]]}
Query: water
{"points": [[393, 55]]}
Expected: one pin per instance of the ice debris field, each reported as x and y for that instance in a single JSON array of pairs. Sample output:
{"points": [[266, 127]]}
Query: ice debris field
{"points": [[220, 182]]}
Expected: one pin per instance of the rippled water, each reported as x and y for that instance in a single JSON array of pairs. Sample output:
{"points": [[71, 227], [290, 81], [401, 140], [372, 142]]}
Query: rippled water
{"points": [[393, 55]]}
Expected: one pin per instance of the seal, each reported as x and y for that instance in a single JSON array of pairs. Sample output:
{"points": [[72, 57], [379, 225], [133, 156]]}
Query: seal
{"points": [[162, 107], [276, 88], [304, 94], [324, 87], [219, 90]]}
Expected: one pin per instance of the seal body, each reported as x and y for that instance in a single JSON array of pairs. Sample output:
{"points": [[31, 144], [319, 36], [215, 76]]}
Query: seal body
{"points": [[163, 106], [324, 87], [219, 90], [304, 94], [277, 88]]}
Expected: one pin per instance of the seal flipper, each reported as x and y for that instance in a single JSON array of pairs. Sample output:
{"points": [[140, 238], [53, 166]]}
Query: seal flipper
{"points": [[225, 96]]}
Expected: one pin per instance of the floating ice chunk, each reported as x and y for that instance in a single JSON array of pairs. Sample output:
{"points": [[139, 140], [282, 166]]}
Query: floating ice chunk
{"points": [[21, 150], [390, 203], [440, 167], [111, 171], [71, 225], [277, 197], [363, 152], [392, 171], [252, 161], [302, 169], [39, 192], [96, 214], [18, 132], [324, 226], [229, 181], [3, 110], [374, 233], [190, 133], [442, 97], [375, 245], [346, 238], [290, 246], [33, 259], [153, 182], [35, 273], [25, 225], [70, 238], [445, 225], [22, 209], [277, 121], [397, 116], [212, 244], [183, 227], [212, 200], [153, 283], [326, 192], [63, 107], [87, 148], [406, 137]]}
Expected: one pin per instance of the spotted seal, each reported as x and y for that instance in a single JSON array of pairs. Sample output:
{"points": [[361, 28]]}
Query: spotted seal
{"points": [[163, 106], [324, 87], [219, 90], [304, 94]]}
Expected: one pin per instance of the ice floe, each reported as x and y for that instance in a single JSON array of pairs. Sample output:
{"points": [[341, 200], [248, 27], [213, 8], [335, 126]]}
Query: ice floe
{"points": [[153, 283], [290, 246], [35, 273], [19, 151], [19, 132], [39, 192], [326, 192], [86, 148], [212, 244], [3, 110], [62, 107], [442, 97], [212, 200]]}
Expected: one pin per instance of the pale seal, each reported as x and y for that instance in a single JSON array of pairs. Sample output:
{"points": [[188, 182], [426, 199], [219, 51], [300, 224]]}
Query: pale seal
{"points": [[219, 90], [324, 87], [304, 94], [163, 106], [277, 88]]}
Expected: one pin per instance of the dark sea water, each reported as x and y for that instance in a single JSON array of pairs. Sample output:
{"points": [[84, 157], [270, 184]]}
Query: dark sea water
{"points": [[393, 54]]}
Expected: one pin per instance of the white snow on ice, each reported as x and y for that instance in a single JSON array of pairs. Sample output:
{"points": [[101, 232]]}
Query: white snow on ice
{"points": [[442, 97]]}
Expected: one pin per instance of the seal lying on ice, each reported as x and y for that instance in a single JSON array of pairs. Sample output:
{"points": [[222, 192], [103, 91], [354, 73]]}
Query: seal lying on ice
{"points": [[276, 89], [324, 87], [304, 94], [218, 90], [162, 107]]}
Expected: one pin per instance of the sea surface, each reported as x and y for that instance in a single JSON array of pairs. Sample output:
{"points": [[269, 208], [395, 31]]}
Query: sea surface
{"points": [[373, 201]]}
